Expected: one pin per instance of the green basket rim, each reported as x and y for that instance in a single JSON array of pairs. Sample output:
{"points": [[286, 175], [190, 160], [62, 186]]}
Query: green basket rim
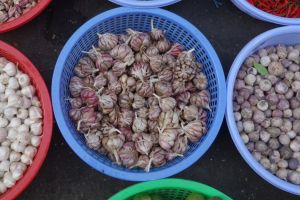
{"points": [[169, 183]]}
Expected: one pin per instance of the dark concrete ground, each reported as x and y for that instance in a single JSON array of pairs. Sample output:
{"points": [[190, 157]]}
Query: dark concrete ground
{"points": [[65, 176]]}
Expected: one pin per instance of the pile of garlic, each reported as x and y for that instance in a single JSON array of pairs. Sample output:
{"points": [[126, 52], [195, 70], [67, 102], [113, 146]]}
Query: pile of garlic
{"points": [[20, 123]]}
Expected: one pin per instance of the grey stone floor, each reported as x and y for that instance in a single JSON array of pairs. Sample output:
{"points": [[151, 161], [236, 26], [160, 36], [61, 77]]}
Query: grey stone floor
{"points": [[64, 176]]}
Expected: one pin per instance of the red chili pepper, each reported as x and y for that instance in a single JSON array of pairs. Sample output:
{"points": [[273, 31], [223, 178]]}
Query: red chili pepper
{"points": [[284, 8]]}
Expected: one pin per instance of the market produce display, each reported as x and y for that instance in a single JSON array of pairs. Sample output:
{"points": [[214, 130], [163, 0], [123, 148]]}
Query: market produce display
{"points": [[286, 8], [139, 98], [12, 9], [267, 109], [20, 123]]}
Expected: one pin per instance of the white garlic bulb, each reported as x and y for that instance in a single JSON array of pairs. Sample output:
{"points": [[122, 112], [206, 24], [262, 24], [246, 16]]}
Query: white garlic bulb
{"points": [[4, 153]]}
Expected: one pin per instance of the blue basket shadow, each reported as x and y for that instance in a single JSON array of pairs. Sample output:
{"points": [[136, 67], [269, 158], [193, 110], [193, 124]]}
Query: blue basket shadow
{"points": [[117, 21]]}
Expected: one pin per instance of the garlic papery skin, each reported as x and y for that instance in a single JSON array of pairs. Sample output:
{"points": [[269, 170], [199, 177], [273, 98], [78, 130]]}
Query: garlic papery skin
{"points": [[26, 159], [35, 112], [28, 91], [2, 88], [36, 128], [4, 153], [17, 174], [35, 101], [3, 134], [10, 69], [13, 100], [10, 112], [29, 121], [30, 151], [12, 134], [14, 156], [35, 141], [3, 187], [4, 166], [22, 113], [6, 143], [8, 180], [23, 128], [24, 138], [17, 166], [8, 92], [13, 83], [3, 122], [3, 105], [14, 123], [17, 146], [23, 80]]}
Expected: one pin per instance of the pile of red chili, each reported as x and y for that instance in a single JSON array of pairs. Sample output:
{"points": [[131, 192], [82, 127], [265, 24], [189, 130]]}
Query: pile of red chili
{"points": [[283, 8]]}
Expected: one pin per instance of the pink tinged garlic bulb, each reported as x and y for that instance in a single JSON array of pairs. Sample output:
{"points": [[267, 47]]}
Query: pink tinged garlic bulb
{"points": [[119, 68], [140, 71], [85, 67], [201, 99], [75, 86], [178, 86], [143, 142], [121, 52], [184, 97], [165, 75], [92, 141], [167, 138], [143, 162], [114, 85], [127, 132], [75, 103], [139, 125], [139, 40], [163, 88], [144, 89], [106, 102], [100, 81], [107, 41], [154, 112], [190, 113], [89, 97], [194, 130], [166, 104], [128, 154], [114, 144], [156, 63], [200, 81], [176, 49], [152, 126], [158, 156], [156, 34], [139, 101], [104, 62], [163, 45], [180, 145]]}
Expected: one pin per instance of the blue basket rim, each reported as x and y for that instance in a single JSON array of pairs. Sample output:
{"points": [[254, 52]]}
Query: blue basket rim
{"points": [[258, 13], [144, 4], [152, 175], [247, 156]]}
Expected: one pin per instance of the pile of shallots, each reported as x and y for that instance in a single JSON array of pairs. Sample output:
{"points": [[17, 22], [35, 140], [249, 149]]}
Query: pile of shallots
{"points": [[139, 99], [20, 123], [267, 109], [12, 9]]}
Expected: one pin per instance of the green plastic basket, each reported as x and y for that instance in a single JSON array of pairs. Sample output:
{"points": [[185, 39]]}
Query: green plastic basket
{"points": [[169, 189]]}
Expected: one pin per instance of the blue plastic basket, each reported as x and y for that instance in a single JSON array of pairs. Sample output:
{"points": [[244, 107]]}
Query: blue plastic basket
{"points": [[145, 3], [251, 10], [289, 35], [117, 21]]}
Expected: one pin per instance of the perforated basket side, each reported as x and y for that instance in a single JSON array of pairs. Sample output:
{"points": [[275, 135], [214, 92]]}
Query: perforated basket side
{"points": [[117, 21], [169, 189], [144, 3]]}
